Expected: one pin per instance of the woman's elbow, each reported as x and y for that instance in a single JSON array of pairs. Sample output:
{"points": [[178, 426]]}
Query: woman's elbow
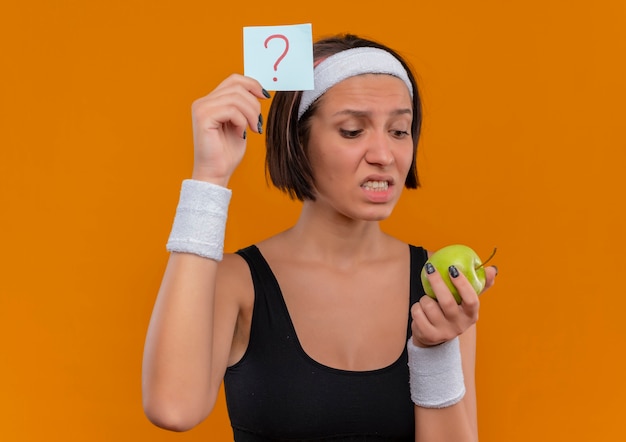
{"points": [[172, 416]]}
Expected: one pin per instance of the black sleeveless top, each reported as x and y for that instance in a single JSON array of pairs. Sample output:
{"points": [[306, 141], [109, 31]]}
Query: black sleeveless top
{"points": [[276, 392]]}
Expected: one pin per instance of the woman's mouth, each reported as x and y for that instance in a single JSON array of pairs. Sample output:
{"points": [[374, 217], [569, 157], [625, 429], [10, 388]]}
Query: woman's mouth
{"points": [[376, 186]]}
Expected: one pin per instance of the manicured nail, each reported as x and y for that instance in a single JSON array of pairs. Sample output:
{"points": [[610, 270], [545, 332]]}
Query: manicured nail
{"points": [[453, 271], [244, 134], [266, 93], [260, 124], [430, 269]]}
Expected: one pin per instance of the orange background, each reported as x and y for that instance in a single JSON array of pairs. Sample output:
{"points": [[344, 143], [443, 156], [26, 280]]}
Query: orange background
{"points": [[523, 148]]}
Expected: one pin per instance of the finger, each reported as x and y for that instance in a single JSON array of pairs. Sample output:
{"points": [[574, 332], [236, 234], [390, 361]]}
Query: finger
{"points": [[463, 286], [236, 92], [430, 309], [249, 105], [447, 303], [250, 84], [422, 329], [235, 106], [430, 326], [490, 277], [239, 91], [440, 287], [469, 298]]}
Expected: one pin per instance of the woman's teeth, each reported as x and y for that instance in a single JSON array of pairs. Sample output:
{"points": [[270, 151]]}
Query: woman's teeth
{"points": [[376, 185]]}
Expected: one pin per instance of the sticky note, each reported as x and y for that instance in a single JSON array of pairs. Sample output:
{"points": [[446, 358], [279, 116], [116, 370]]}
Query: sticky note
{"points": [[279, 57]]}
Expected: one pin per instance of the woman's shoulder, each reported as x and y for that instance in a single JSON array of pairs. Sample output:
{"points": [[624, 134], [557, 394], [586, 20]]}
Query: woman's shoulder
{"points": [[233, 272], [401, 245]]}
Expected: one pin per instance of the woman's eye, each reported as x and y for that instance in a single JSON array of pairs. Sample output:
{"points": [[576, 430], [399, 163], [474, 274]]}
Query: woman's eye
{"points": [[400, 133], [350, 133]]}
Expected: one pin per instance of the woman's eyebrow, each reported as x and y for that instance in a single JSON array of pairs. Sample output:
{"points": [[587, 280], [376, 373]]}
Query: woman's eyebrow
{"points": [[360, 113]]}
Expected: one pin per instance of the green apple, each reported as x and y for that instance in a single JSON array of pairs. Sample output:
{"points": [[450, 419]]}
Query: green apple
{"points": [[465, 260]]}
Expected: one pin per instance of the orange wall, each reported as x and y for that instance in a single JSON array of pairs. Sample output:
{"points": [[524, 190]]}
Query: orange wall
{"points": [[523, 149]]}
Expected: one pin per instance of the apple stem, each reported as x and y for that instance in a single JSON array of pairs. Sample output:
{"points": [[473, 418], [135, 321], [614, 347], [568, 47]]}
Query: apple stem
{"points": [[488, 259]]}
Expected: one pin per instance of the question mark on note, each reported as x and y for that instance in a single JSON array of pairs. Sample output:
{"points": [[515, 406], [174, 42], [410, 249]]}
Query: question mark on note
{"points": [[286, 40]]}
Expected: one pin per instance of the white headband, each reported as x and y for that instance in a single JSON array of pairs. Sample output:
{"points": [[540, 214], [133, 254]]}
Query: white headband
{"points": [[348, 63]]}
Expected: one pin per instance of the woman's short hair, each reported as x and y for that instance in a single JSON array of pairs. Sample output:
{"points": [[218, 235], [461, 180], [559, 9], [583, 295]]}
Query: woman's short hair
{"points": [[287, 162]]}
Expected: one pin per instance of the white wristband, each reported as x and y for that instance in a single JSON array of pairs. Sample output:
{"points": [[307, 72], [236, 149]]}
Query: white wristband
{"points": [[200, 220], [436, 374]]}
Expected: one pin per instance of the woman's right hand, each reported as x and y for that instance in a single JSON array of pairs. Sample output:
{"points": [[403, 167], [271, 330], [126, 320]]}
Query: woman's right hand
{"points": [[220, 121]]}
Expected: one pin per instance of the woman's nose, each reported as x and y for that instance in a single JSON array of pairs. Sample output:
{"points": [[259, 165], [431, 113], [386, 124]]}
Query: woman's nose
{"points": [[379, 152]]}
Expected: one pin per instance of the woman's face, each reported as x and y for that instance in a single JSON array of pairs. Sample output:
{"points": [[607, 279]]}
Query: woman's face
{"points": [[360, 146]]}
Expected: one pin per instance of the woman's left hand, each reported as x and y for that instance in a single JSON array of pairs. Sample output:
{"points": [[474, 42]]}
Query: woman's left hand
{"points": [[437, 321]]}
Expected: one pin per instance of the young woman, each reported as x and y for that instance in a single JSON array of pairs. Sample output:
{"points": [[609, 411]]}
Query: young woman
{"points": [[320, 332]]}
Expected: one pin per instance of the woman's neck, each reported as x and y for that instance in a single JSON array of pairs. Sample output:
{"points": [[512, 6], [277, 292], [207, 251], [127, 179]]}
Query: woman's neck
{"points": [[335, 239]]}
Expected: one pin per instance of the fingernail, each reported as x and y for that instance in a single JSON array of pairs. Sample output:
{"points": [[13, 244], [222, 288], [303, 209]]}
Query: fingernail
{"points": [[430, 269], [266, 93], [453, 271], [244, 134], [260, 124]]}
